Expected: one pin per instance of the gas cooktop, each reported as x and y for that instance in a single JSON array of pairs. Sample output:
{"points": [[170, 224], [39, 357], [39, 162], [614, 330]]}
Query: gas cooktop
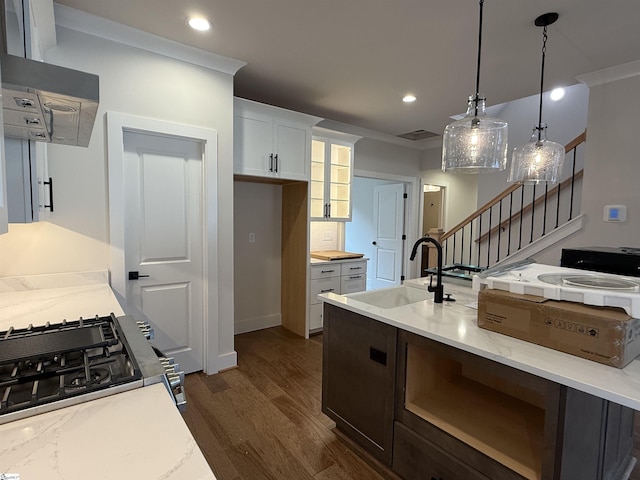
{"points": [[54, 362]]}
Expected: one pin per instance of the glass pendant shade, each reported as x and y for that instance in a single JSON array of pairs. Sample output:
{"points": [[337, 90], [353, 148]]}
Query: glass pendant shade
{"points": [[475, 144], [539, 161]]}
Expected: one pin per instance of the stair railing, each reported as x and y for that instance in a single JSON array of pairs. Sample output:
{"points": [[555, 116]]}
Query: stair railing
{"points": [[512, 220]]}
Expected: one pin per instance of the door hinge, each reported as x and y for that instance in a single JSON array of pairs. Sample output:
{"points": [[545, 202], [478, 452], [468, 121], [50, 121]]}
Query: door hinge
{"points": [[402, 278], [404, 237], [404, 195]]}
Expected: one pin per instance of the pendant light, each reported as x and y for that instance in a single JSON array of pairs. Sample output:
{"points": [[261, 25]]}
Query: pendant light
{"points": [[539, 161], [477, 143]]}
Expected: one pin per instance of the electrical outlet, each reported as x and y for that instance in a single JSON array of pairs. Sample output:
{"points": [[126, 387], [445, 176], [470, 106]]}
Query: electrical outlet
{"points": [[327, 236], [252, 238]]}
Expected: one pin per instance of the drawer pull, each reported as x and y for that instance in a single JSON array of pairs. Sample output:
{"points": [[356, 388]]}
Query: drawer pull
{"points": [[353, 277], [327, 271], [355, 268], [327, 290], [378, 356]]}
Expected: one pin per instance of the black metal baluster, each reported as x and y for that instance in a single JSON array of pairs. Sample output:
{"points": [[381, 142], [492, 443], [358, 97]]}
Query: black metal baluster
{"points": [[510, 216], [462, 246], [521, 207], [453, 254], [479, 237], [558, 205], [544, 211], [499, 230], [489, 239], [573, 179], [470, 240], [533, 211]]}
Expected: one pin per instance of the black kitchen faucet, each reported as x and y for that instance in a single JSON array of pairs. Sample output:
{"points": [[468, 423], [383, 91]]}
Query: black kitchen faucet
{"points": [[438, 289]]}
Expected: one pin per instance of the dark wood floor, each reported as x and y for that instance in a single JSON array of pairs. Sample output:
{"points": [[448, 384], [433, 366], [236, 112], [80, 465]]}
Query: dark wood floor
{"points": [[262, 420]]}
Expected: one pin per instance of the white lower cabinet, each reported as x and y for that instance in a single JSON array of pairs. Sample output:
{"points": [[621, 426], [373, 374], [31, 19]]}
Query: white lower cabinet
{"points": [[337, 277]]}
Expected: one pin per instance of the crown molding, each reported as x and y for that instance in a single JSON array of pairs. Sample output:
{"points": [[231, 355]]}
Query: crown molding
{"points": [[611, 74], [100, 27]]}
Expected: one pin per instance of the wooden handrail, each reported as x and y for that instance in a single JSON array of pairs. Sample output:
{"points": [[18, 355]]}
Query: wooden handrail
{"points": [[570, 146], [531, 205]]}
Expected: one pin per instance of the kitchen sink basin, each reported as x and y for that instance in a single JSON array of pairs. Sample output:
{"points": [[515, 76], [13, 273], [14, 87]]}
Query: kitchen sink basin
{"points": [[391, 297]]}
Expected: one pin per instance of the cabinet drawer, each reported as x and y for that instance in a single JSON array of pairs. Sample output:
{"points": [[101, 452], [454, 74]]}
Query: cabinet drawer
{"points": [[353, 268], [323, 285], [416, 458], [315, 316], [325, 270], [353, 283]]}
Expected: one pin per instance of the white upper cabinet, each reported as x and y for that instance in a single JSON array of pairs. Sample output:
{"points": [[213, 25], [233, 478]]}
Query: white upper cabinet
{"points": [[331, 174], [270, 141]]}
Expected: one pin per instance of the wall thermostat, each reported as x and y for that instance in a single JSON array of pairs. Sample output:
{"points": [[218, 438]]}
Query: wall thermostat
{"points": [[615, 213]]}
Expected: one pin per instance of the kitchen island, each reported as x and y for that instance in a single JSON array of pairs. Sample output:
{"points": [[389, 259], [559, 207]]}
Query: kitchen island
{"points": [[453, 401], [133, 434]]}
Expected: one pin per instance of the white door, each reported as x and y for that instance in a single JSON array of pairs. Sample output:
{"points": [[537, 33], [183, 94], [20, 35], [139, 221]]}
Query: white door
{"points": [[388, 216], [163, 241]]}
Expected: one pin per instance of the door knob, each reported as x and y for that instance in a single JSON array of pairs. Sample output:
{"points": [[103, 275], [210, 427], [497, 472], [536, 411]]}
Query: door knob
{"points": [[374, 243], [136, 275]]}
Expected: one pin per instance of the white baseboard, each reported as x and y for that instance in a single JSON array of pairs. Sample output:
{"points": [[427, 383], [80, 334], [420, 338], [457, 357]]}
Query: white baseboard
{"points": [[256, 323]]}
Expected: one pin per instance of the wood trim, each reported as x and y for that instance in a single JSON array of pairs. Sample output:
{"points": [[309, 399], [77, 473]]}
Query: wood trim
{"points": [[570, 146], [295, 220]]}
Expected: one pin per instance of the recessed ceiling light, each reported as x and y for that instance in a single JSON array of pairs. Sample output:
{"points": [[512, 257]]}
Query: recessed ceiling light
{"points": [[556, 94], [409, 98], [199, 23]]}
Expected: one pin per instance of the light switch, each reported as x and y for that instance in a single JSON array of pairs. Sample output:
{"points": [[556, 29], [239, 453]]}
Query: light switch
{"points": [[615, 213]]}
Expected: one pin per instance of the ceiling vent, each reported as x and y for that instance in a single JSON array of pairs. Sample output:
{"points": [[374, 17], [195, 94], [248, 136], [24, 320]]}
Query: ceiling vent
{"points": [[418, 135]]}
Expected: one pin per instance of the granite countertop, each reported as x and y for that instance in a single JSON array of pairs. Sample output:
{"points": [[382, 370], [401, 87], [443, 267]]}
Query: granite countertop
{"points": [[134, 434], [455, 324]]}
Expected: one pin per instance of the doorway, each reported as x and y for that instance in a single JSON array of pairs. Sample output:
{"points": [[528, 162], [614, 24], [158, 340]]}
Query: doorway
{"points": [[388, 258], [180, 163]]}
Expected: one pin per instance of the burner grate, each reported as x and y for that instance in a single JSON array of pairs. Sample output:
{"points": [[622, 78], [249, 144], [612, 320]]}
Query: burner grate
{"points": [[53, 362]]}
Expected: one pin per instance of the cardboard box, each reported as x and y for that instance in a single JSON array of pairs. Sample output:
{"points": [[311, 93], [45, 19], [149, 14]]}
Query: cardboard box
{"points": [[603, 334]]}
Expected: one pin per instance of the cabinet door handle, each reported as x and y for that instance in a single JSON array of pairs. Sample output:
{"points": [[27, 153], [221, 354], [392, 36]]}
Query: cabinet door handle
{"points": [[378, 356], [271, 162], [353, 277], [327, 271], [276, 162], [327, 290], [50, 183], [328, 210]]}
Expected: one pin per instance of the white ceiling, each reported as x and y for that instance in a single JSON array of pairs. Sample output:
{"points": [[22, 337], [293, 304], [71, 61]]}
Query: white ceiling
{"points": [[352, 60]]}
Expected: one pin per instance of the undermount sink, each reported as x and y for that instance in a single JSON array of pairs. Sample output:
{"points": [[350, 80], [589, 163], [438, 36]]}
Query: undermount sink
{"points": [[391, 297]]}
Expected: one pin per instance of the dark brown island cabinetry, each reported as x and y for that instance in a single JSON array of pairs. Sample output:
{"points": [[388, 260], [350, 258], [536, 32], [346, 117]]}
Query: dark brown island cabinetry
{"points": [[459, 416], [358, 378]]}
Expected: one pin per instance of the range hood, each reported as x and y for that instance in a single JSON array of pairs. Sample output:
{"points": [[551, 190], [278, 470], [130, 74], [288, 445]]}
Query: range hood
{"points": [[47, 103]]}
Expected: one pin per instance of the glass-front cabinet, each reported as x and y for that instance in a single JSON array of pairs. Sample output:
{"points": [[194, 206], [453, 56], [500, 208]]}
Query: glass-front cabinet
{"points": [[331, 174]]}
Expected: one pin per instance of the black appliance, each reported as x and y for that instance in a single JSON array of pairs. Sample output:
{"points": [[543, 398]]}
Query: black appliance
{"points": [[51, 366], [616, 260]]}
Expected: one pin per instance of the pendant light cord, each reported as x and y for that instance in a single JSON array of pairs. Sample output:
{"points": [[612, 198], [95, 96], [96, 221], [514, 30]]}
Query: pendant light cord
{"points": [[477, 98], [544, 51]]}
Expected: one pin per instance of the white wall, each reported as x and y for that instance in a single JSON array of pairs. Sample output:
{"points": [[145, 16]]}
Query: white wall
{"points": [[136, 82], [376, 156], [566, 119], [257, 272], [461, 190]]}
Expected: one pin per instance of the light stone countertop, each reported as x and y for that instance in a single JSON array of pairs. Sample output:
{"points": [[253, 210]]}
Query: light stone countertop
{"points": [[455, 324], [134, 434]]}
